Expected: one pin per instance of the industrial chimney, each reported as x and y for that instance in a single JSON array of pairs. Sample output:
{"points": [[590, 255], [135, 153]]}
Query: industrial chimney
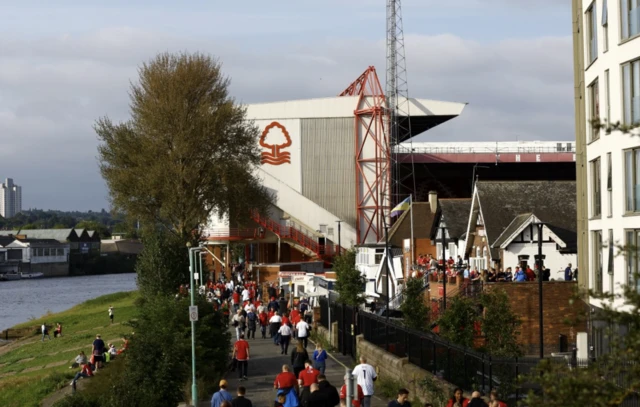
{"points": [[433, 201]]}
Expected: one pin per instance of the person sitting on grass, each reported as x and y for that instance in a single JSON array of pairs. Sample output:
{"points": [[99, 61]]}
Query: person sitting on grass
{"points": [[58, 331], [80, 359], [84, 372]]}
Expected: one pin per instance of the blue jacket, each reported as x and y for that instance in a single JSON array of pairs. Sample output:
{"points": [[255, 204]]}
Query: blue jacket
{"points": [[320, 357], [219, 397]]}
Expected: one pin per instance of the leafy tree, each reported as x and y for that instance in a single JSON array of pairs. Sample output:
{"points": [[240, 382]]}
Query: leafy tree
{"points": [[163, 264], [456, 324], [349, 280], [500, 325], [187, 151], [414, 309]]}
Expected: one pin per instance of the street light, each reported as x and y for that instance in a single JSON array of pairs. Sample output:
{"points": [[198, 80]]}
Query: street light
{"points": [[339, 238], [194, 386], [539, 258]]}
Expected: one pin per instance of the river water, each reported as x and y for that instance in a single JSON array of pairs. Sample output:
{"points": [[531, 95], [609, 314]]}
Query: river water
{"points": [[24, 299]]}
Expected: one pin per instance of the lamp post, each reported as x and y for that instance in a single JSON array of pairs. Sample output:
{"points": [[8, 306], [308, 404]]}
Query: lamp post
{"points": [[194, 386], [386, 258], [444, 270], [540, 225], [339, 238]]}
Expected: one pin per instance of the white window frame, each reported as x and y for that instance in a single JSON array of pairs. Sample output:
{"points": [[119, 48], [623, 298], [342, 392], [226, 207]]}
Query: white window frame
{"points": [[596, 188], [596, 240], [629, 19], [591, 23], [631, 92], [605, 26], [609, 186], [594, 109]]}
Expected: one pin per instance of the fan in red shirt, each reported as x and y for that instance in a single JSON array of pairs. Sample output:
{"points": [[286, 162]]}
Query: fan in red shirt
{"points": [[285, 380], [356, 402], [295, 316], [270, 314], [285, 320], [309, 375], [236, 298]]}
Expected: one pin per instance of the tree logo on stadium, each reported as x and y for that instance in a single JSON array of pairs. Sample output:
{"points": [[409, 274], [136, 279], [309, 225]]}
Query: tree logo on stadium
{"points": [[274, 139]]}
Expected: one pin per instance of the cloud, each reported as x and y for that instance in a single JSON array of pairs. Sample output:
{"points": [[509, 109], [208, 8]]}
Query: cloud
{"points": [[54, 87]]}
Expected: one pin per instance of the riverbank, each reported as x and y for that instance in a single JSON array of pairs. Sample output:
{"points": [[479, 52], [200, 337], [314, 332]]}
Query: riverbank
{"points": [[30, 369]]}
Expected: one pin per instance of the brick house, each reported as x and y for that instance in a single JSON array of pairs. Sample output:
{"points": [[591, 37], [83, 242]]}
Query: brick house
{"points": [[501, 231], [453, 216]]}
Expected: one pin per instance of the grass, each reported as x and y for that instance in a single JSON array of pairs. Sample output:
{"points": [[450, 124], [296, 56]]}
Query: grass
{"points": [[29, 372]]}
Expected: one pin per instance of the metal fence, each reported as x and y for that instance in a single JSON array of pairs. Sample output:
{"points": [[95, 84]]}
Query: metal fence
{"points": [[463, 367]]}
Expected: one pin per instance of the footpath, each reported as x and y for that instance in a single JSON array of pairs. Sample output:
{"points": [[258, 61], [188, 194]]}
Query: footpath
{"points": [[266, 362]]}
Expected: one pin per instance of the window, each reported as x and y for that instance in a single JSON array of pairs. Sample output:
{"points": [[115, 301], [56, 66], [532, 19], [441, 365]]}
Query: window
{"points": [[605, 27], [630, 18], [438, 250], [607, 97], [631, 92], [597, 260], [609, 186], [592, 33], [594, 110], [632, 244], [596, 204], [632, 180], [453, 250], [610, 260]]}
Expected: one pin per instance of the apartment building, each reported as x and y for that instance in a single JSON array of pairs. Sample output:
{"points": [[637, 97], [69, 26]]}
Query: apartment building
{"points": [[607, 89], [10, 199]]}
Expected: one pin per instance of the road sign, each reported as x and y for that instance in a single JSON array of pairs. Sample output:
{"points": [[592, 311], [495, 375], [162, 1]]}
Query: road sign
{"points": [[193, 313]]}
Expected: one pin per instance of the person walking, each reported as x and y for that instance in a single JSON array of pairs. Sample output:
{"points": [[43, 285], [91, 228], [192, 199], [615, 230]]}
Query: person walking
{"points": [[494, 400], [319, 358], [274, 325], [238, 322], [298, 357], [306, 378], [303, 332], [221, 395], [45, 331], [316, 397], [241, 353], [458, 400], [111, 314], [252, 321], [402, 400], [287, 384], [476, 400], [264, 322], [329, 390], [241, 400], [285, 337], [366, 375]]}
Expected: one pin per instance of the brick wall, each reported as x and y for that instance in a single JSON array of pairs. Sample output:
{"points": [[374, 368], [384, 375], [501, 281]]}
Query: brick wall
{"points": [[556, 311]]}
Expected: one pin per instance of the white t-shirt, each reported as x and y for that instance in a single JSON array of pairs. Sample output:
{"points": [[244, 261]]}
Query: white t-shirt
{"points": [[365, 374], [285, 330], [245, 295], [302, 328], [276, 319], [43, 328]]}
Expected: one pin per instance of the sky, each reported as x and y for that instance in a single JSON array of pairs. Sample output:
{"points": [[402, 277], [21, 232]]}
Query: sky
{"points": [[63, 66]]}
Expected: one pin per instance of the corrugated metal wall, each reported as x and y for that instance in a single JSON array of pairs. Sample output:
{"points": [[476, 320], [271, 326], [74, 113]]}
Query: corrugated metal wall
{"points": [[328, 165]]}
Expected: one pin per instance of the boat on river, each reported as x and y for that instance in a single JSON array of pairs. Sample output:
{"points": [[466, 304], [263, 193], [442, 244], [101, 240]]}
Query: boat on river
{"points": [[28, 276], [9, 276]]}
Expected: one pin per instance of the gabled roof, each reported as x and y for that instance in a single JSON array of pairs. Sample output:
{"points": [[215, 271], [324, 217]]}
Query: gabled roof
{"points": [[553, 202], [61, 235], [422, 222], [518, 226], [456, 216], [40, 241], [5, 240]]}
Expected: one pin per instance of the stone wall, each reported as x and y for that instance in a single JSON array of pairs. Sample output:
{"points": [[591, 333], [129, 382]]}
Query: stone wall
{"points": [[48, 269], [399, 369]]}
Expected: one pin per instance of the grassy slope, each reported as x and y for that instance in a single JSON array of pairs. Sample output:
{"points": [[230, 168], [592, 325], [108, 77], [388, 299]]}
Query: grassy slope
{"points": [[25, 382]]}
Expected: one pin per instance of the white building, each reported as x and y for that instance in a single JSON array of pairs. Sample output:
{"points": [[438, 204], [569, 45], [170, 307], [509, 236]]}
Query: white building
{"points": [[607, 66], [10, 199]]}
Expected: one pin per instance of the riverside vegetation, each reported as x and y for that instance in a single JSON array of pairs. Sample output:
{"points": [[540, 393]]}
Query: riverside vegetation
{"points": [[31, 369]]}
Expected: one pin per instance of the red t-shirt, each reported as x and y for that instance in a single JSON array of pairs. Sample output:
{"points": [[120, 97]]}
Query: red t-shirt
{"points": [[309, 376], [343, 395], [86, 369], [295, 316], [285, 380], [242, 349], [285, 320], [264, 320], [236, 297]]}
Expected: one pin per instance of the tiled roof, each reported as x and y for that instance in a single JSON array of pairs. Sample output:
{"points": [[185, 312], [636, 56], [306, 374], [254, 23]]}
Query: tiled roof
{"points": [[456, 215], [553, 202], [422, 221], [61, 235]]}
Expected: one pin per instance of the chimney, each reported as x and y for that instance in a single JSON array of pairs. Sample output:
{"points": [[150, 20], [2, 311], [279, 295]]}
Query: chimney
{"points": [[433, 201]]}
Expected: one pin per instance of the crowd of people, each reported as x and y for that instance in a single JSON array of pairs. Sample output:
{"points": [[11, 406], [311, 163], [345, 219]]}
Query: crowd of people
{"points": [[428, 265], [301, 381]]}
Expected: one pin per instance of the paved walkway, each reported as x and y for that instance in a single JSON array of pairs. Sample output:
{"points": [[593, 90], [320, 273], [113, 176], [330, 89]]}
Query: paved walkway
{"points": [[266, 362]]}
